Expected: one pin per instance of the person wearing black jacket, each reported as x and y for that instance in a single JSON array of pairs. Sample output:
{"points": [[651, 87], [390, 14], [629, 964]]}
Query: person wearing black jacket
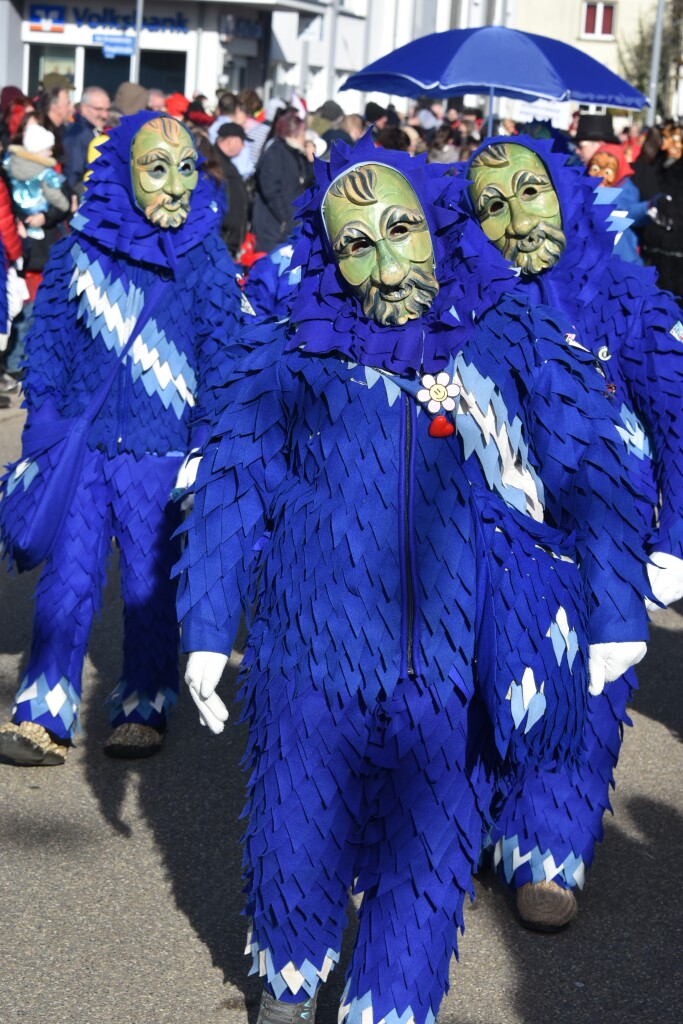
{"points": [[283, 173], [229, 143], [662, 235], [88, 123]]}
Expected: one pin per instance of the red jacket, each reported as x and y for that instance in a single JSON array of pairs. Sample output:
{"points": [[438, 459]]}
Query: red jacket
{"points": [[8, 228]]}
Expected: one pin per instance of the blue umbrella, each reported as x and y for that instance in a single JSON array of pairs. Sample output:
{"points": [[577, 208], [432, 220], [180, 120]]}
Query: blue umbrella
{"points": [[498, 61]]}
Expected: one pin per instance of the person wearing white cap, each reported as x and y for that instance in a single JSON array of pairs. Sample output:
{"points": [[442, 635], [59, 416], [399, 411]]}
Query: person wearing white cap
{"points": [[37, 193], [36, 184]]}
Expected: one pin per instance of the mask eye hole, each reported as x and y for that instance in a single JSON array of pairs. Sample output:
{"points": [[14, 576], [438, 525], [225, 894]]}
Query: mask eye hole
{"points": [[359, 246], [398, 231], [530, 192], [157, 171], [497, 206], [187, 167]]}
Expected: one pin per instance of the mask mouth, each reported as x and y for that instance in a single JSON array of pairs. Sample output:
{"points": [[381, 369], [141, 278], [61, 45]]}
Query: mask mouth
{"points": [[531, 242], [395, 294]]}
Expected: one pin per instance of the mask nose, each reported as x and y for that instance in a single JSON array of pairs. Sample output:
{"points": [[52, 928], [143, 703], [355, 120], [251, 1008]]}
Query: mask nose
{"points": [[174, 183], [521, 221], [391, 269]]}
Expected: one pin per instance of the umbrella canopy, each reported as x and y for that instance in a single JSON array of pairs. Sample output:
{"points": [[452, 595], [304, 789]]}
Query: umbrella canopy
{"points": [[499, 62]]}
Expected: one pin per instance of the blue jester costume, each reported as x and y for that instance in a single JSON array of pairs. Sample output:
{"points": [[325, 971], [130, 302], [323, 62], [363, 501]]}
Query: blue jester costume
{"points": [[99, 281], [547, 824], [417, 514], [273, 281]]}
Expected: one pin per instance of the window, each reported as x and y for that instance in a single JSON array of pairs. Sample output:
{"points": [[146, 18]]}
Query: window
{"points": [[598, 20]]}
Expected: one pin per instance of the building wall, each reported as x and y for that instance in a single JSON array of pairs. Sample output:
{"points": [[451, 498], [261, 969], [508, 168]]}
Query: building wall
{"points": [[11, 57], [563, 19]]}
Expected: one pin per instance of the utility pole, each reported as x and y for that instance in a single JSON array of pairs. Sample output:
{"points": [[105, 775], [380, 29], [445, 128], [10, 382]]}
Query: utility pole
{"points": [[654, 66], [135, 59], [332, 60]]}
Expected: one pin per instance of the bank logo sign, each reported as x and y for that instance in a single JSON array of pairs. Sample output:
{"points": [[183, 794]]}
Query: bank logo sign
{"points": [[46, 18], [51, 18]]}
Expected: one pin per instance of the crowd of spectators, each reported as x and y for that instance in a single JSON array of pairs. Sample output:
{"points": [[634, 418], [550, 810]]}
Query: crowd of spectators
{"points": [[260, 157]]}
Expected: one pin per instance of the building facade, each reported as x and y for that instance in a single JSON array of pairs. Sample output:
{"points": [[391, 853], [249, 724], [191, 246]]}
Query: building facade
{"points": [[276, 46]]}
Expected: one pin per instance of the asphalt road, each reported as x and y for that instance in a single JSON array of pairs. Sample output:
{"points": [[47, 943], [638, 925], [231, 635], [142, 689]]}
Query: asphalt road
{"points": [[120, 896]]}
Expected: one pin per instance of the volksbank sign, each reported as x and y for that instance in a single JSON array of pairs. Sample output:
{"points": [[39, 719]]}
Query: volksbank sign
{"points": [[45, 17]]}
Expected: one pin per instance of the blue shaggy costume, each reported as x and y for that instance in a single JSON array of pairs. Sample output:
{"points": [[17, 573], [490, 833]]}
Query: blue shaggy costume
{"points": [[425, 587], [96, 285], [547, 824]]}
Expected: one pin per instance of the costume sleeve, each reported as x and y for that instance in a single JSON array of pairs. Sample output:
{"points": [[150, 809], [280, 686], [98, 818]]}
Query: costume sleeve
{"points": [[652, 365], [587, 492], [52, 342], [242, 465], [217, 325], [636, 208]]}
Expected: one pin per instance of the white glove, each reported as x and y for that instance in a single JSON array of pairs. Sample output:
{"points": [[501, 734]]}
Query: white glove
{"points": [[17, 293], [609, 661], [4, 338], [203, 674], [187, 474], [666, 579]]}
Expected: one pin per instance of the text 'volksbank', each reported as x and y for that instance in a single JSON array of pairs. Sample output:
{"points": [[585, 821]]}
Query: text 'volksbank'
{"points": [[107, 17]]}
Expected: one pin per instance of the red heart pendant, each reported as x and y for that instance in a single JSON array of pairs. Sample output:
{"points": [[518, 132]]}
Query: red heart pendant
{"points": [[441, 427]]}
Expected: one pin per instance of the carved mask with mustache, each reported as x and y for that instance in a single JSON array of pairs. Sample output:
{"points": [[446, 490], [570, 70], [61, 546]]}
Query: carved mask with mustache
{"points": [[517, 206], [163, 168], [381, 241]]}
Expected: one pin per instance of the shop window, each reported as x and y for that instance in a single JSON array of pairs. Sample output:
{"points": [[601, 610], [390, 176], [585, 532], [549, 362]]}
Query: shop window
{"points": [[46, 59], [106, 72], [163, 69], [598, 20]]}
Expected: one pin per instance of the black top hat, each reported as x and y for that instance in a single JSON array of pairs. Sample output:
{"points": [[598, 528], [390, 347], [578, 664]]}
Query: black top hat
{"points": [[595, 128]]}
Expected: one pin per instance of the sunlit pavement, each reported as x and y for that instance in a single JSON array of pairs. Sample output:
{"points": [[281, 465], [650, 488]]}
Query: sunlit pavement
{"points": [[120, 891]]}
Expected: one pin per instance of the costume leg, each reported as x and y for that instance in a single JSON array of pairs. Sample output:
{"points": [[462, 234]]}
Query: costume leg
{"points": [[145, 521], [68, 594], [299, 845], [427, 796], [548, 824]]}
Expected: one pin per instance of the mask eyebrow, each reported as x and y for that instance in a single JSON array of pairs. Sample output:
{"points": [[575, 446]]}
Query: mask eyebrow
{"points": [[401, 214], [530, 178], [188, 154], [152, 157]]}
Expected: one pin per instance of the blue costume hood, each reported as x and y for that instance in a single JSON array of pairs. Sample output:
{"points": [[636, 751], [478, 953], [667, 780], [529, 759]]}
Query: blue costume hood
{"points": [[327, 318], [110, 218], [587, 213]]}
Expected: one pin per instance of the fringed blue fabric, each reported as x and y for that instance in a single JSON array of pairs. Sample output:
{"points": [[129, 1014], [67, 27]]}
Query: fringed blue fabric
{"points": [[98, 282], [419, 609], [547, 824], [274, 280], [126, 498]]}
